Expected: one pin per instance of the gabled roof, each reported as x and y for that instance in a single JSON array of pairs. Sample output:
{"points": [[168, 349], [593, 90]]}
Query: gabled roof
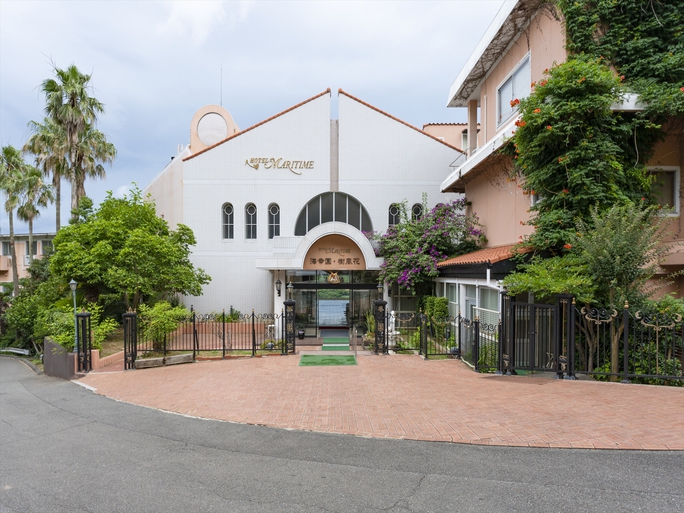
{"points": [[327, 91], [509, 22], [486, 256], [399, 121]]}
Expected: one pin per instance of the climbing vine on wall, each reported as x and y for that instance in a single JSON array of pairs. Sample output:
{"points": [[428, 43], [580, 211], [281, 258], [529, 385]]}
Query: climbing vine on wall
{"points": [[571, 148]]}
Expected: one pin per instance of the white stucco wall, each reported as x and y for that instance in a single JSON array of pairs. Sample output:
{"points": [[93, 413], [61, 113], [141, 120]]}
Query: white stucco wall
{"points": [[383, 161], [220, 175]]}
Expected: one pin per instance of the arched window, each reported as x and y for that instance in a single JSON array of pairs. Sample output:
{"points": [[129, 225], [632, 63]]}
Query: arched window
{"points": [[417, 211], [394, 214], [228, 220], [273, 220], [333, 206], [250, 221]]}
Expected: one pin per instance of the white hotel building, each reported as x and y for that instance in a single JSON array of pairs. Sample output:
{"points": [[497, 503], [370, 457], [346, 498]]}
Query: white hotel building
{"points": [[288, 199]]}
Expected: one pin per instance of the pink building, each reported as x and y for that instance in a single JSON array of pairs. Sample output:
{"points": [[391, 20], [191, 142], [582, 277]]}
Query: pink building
{"points": [[525, 38]]}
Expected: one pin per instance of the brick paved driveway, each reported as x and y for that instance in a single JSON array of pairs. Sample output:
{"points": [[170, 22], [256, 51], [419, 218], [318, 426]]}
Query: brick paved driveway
{"points": [[403, 396]]}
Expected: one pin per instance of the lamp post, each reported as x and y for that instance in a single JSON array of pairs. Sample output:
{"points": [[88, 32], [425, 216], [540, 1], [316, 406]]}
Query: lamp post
{"points": [[381, 289], [72, 285], [289, 290]]}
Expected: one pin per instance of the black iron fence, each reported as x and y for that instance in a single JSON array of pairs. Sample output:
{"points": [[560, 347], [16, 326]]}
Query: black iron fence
{"points": [[416, 332], [605, 343], [212, 334], [626, 345]]}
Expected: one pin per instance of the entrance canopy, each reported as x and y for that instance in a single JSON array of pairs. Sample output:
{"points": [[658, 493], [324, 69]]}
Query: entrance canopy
{"points": [[334, 241]]}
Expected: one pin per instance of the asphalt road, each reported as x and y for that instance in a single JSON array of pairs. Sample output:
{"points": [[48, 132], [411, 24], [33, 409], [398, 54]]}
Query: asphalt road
{"points": [[66, 449]]}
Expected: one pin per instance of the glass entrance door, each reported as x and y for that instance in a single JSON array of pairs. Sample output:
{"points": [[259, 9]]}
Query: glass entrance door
{"points": [[334, 308]]}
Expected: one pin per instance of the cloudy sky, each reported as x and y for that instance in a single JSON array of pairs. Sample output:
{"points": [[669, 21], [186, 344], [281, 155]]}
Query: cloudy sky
{"points": [[154, 64]]}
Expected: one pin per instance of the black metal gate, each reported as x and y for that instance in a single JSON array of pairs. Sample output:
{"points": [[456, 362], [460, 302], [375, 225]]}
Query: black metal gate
{"points": [[84, 341], [534, 337], [130, 327]]}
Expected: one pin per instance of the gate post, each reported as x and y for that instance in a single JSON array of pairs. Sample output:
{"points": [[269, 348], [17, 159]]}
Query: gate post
{"points": [[423, 334], [130, 327], [380, 314], [253, 335], [503, 356], [289, 345], [625, 341], [223, 332], [563, 305], [476, 344], [85, 363], [571, 340]]}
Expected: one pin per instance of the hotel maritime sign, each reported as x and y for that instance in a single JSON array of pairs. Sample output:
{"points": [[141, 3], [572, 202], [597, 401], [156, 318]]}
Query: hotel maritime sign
{"points": [[272, 163]]}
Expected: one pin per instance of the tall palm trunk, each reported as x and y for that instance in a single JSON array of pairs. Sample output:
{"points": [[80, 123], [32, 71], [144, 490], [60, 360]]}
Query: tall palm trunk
{"points": [[57, 183], [13, 252], [30, 240]]}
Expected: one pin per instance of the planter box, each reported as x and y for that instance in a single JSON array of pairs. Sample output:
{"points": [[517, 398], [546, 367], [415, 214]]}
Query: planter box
{"points": [[179, 358], [147, 363]]}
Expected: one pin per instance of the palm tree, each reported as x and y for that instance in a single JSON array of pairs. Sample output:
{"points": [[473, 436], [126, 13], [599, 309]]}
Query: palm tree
{"points": [[11, 178], [37, 193], [93, 149], [68, 103], [47, 143]]}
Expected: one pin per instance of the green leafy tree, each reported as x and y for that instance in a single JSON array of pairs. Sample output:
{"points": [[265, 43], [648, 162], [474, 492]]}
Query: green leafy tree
{"points": [[412, 248], [125, 248], [160, 320], [609, 261]]}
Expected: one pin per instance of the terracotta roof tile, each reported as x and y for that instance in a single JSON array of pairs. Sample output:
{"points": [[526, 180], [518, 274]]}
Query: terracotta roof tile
{"points": [[399, 120], [327, 91], [486, 256]]}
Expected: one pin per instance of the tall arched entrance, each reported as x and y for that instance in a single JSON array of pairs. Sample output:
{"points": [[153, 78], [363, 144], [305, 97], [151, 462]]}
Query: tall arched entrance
{"points": [[334, 289]]}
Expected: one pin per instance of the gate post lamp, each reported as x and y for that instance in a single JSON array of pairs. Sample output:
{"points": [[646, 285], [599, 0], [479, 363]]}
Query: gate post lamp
{"points": [[278, 285], [72, 285], [289, 290], [381, 289]]}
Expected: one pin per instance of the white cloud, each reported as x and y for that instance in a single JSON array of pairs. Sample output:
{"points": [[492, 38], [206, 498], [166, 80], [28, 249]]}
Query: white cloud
{"points": [[122, 191], [199, 19]]}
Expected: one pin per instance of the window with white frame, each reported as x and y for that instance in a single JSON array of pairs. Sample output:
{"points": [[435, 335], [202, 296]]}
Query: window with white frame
{"points": [[228, 221], [273, 220], [6, 248], [464, 140], [488, 308], [665, 188], [250, 221], [515, 87]]}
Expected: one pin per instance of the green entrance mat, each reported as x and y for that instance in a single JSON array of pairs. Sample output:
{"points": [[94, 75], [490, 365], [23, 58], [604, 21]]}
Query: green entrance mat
{"points": [[308, 360]]}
